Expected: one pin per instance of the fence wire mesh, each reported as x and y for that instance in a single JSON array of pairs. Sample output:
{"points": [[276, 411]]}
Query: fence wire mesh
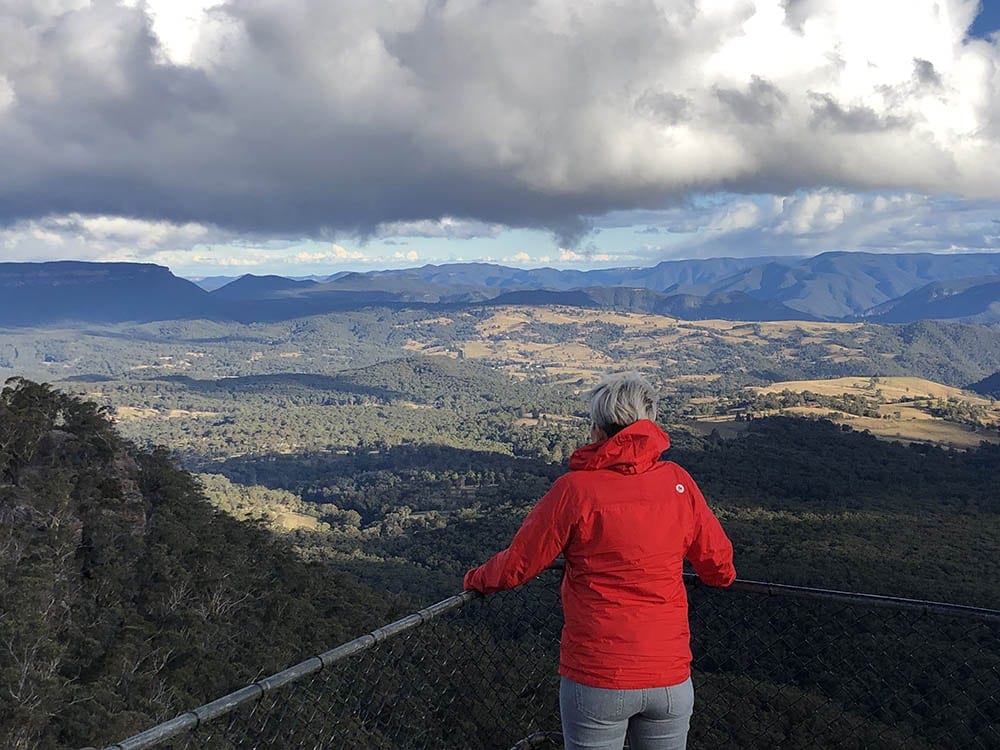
{"points": [[769, 671]]}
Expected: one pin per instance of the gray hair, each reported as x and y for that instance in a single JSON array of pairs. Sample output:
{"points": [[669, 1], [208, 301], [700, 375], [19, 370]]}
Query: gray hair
{"points": [[620, 400]]}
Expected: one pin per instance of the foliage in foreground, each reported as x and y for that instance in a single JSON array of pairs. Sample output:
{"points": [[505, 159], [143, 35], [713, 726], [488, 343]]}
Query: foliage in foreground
{"points": [[126, 597], [129, 598]]}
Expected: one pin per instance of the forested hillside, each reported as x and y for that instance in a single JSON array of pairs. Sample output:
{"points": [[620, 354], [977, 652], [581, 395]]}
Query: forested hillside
{"points": [[554, 344], [126, 596], [378, 453], [806, 502], [134, 598]]}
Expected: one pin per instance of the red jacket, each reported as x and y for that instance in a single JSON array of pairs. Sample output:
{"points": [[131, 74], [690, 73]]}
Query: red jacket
{"points": [[624, 521]]}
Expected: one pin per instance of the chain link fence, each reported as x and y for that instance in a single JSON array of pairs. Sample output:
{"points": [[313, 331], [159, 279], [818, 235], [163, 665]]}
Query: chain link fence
{"points": [[775, 666]]}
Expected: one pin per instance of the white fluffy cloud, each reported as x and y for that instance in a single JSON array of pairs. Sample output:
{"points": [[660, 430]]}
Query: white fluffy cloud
{"points": [[185, 248], [98, 237], [827, 219], [446, 227], [315, 118], [589, 255]]}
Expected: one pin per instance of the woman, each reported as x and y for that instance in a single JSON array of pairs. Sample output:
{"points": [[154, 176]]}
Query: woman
{"points": [[624, 520]]}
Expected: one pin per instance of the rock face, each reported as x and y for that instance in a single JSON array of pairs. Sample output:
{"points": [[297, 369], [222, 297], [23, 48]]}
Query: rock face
{"points": [[66, 291], [68, 489], [124, 596]]}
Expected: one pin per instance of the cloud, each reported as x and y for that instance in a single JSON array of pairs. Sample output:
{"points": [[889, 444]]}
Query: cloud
{"points": [[184, 247], [243, 260], [924, 73], [334, 254], [176, 24], [331, 118], [446, 227], [762, 101], [278, 258], [809, 222], [589, 255], [99, 237], [829, 113], [339, 253]]}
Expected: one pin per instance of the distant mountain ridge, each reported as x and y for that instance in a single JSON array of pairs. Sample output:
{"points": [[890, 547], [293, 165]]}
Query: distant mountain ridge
{"points": [[250, 287], [45, 293], [831, 286], [664, 276], [972, 300], [840, 285], [835, 286]]}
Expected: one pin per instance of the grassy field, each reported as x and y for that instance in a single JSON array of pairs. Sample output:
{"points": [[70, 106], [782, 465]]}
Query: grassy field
{"points": [[893, 389], [908, 409], [701, 367], [566, 344]]}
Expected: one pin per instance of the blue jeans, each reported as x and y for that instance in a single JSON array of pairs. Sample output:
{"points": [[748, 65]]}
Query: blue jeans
{"points": [[599, 718]]}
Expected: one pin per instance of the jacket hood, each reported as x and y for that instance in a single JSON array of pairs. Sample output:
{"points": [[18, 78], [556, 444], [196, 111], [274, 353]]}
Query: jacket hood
{"points": [[634, 450]]}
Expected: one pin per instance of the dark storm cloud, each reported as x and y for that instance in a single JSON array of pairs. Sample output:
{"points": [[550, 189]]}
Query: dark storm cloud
{"points": [[312, 118]]}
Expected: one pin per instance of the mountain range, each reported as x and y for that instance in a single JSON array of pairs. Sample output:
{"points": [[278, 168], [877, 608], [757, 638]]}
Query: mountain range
{"points": [[34, 294], [836, 286]]}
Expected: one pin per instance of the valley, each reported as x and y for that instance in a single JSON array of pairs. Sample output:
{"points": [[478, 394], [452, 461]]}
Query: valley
{"points": [[392, 448], [206, 388], [302, 309], [362, 435]]}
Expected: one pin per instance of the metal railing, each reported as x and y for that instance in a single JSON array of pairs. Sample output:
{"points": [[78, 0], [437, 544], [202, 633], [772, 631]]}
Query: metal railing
{"points": [[775, 666]]}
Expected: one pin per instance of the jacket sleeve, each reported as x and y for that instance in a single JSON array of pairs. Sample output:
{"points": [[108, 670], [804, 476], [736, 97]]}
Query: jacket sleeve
{"points": [[711, 552], [538, 542]]}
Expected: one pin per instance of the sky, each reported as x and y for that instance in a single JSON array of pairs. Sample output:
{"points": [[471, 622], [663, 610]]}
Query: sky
{"points": [[314, 136]]}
